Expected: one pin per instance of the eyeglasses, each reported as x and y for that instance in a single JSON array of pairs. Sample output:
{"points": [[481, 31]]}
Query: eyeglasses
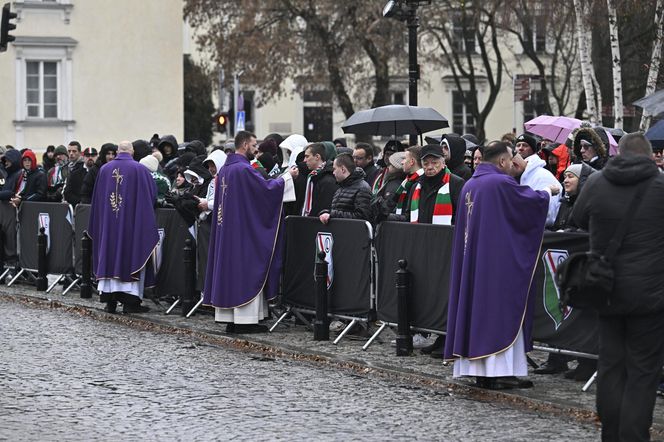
{"points": [[585, 144]]}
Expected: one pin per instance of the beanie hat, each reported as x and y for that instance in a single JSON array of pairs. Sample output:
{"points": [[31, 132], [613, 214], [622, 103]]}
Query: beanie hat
{"points": [[268, 146], [60, 149], [396, 159], [527, 138], [575, 169], [158, 155], [150, 162]]}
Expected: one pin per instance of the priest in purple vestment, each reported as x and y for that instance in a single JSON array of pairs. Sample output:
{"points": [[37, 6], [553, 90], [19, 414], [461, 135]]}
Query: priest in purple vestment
{"points": [[497, 239], [245, 256], [124, 232]]}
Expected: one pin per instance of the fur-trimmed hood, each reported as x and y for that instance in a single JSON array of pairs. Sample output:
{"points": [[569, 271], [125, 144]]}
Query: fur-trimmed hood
{"points": [[589, 134]]}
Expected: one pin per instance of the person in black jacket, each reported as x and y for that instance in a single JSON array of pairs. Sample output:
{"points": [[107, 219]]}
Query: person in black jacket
{"points": [[107, 153], [352, 199], [383, 201], [12, 167], [589, 147], [77, 172], [363, 155], [454, 148], [575, 176], [631, 327], [321, 183], [31, 181]]}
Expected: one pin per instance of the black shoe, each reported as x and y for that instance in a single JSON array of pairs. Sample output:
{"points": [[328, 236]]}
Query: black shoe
{"points": [[246, 328], [436, 347], [135, 308], [111, 307], [550, 368], [509, 382], [585, 369]]}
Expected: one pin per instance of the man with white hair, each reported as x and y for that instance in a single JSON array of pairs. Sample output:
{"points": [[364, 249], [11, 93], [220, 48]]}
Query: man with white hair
{"points": [[124, 233]]}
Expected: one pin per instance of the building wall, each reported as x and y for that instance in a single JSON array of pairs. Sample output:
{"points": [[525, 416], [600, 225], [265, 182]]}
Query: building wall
{"points": [[122, 62]]}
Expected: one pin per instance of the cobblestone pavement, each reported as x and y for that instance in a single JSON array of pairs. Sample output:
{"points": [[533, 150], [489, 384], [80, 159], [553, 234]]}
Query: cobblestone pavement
{"points": [[64, 376]]}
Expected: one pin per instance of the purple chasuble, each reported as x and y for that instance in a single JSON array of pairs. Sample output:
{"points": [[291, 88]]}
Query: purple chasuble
{"points": [[497, 239], [245, 241], [122, 224]]}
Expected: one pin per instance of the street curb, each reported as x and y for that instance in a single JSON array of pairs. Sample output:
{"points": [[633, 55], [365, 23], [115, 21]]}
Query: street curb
{"points": [[295, 353]]}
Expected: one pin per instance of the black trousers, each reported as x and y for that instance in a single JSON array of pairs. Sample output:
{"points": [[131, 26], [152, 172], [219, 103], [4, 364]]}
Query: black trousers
{"points": [[631, 354]]}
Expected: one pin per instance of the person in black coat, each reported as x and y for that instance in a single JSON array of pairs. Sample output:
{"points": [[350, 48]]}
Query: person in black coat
{"points": [[12, 168], [352, 199], [363, 155], [383, 201], [590, 148], [31, 181], [454, 148], [631, 327], [575, 176], [321, 184], [107, 153]]}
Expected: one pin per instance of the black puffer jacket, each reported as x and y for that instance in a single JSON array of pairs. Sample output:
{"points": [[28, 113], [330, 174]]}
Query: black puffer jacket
{"points": [[353, 198], [564, 219], [600, 208]]}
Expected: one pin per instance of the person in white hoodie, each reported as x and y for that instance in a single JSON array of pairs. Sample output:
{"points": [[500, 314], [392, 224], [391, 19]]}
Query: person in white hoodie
{"points": [[533, 172], [213, 162]]}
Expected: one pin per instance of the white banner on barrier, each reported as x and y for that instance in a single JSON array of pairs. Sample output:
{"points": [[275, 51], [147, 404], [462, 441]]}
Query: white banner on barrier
{"points": [[45, 222], [324, 243], [159, 251]]}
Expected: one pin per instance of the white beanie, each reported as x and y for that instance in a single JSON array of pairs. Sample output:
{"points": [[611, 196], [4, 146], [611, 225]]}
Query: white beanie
{"points": [[151, 162]]}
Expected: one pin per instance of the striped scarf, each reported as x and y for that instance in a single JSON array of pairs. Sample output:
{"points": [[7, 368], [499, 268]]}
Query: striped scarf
{"points": [[442, 209], [378, 182], [55, 176], [256, 164], [402, 191], [21, 182], [309, 193]]}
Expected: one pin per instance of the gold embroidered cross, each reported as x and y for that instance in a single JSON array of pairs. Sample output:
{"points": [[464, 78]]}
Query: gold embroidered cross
{"points": [[469, 212], [116, 198], [220, 209]]}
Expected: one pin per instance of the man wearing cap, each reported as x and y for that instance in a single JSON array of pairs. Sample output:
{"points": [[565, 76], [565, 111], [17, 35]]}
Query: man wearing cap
{"points": [[435, 193], [90, 155], [321, 184], [57, 175], [74, 182], [534, 173], [498, 232]]}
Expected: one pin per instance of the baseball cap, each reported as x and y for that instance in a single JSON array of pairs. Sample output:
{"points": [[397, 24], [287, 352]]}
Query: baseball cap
{"points": [[90, 152], [432, 150]]}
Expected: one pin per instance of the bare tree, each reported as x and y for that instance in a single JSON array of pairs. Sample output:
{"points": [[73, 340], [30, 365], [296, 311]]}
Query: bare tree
{"points": [[616, 64], [590, 84], [653, 71], [470, 49]]}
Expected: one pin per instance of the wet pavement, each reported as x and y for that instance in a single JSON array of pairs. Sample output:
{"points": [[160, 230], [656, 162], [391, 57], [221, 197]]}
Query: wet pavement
{"points": [[72, 373]]}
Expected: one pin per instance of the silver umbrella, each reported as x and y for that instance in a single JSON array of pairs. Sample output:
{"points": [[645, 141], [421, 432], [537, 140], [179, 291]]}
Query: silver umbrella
{"points": [[653, 103]]}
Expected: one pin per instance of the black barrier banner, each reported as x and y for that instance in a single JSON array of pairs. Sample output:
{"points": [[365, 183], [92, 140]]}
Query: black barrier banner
{"points": [[569, 329], [173, 234], [202, 247], [56, 216], [81, 219], [8, 226], [427, 249], [350, 293]]}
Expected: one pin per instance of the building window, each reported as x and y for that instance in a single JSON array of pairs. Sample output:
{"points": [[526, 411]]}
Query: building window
{"points": [[535, 106], [398, 97], [463, 33], [463, 121], [41, 89], [537, 35]]}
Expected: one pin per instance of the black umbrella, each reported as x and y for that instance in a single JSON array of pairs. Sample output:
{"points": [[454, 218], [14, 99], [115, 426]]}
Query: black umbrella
{"points": [[438, 140], [656, 135], [394, 119], [653, 103]]}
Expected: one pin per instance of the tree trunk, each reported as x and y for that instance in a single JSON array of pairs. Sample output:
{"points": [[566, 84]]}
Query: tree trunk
{"points": [[586, 61], [615, 60], [655, 61]]}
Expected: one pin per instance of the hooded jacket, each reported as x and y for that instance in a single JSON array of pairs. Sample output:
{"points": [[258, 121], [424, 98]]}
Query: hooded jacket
{"points": [[7, 190], [353, 198], [562, 153], [537, 177], [564, 219], [168, 139], [325, 186], [35, 180], [456, 162], [589, 134], [600, 208]]}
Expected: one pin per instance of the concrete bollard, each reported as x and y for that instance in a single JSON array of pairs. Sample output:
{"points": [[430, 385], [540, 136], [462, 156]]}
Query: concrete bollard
{"points": [[404, 338], [42, 282], [86, 265], [321, 323]]}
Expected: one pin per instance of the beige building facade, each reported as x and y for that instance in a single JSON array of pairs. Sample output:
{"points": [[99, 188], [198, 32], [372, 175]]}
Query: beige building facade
{"points": [[92, 70]]}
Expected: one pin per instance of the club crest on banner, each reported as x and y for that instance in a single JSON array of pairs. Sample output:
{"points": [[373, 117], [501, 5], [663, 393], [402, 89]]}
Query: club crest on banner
{"points": [[45, 222], [550, 292], [324, 242]]}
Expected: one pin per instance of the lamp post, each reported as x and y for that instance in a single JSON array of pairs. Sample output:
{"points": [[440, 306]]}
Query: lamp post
{"points": [[406, 10]]}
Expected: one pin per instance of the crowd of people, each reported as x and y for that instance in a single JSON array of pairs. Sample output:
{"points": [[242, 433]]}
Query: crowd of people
{"points": [[500, 196]]}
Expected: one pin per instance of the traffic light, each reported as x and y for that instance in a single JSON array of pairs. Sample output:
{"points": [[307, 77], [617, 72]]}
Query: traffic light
{"points": [[6, 26], [221, 120]]}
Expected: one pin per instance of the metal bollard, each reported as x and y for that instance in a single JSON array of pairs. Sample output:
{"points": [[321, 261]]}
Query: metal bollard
{"points": [[187, 299], [42, 282], [321, 323], [86, 265], [404, 338]]}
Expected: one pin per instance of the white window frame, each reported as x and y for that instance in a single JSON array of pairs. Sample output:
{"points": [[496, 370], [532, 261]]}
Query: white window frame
{"points": [[464, 115], [41, 89], [62, 8]]}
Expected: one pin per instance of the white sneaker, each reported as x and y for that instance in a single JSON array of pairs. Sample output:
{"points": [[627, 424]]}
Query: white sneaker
{"points": [[337, 326]]}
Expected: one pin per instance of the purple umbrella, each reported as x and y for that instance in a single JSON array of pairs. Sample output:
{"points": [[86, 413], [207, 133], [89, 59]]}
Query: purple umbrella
{"points": [[552, 128]]}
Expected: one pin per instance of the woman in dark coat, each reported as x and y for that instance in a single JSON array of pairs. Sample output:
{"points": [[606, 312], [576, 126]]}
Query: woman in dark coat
{"points": [[107, 153]]}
